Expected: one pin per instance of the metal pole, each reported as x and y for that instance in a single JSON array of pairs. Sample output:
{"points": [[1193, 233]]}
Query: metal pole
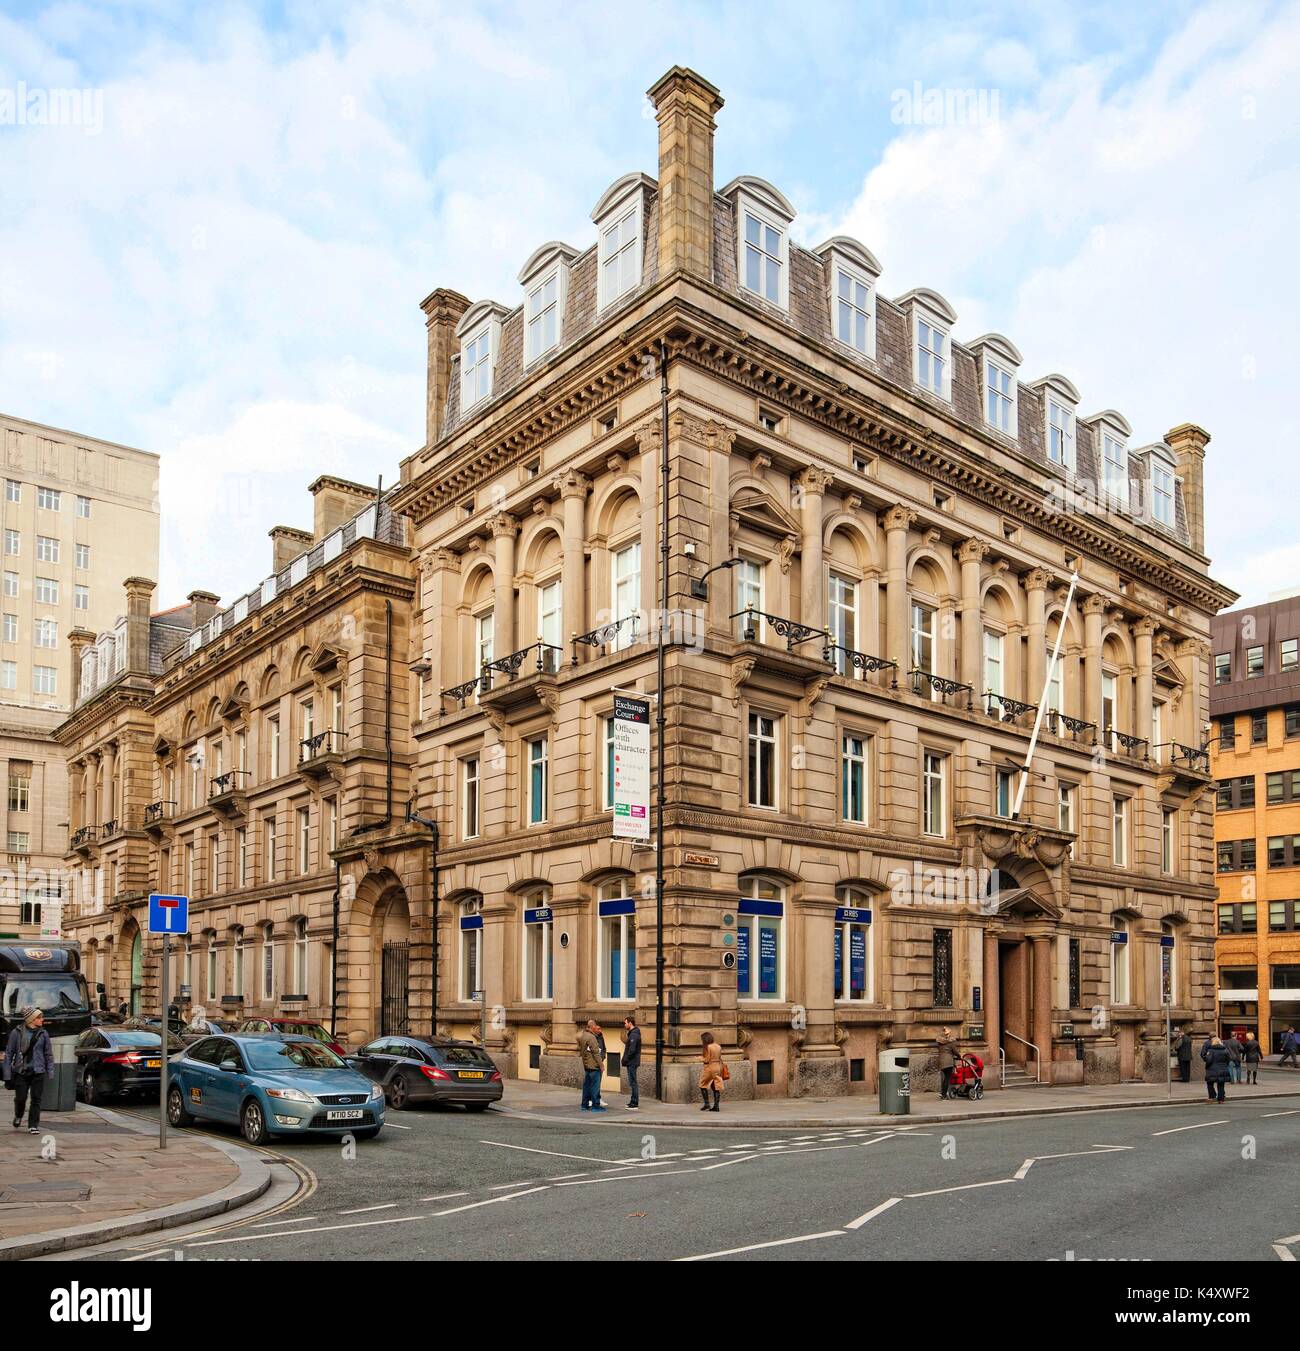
{"points": [[659, 722], [1169, 1050], [1042, 702], [162, 1100]]}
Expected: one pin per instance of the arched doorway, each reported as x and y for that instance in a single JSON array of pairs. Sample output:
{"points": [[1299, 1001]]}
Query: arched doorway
{"points": [[135, 984], [392, 938]]}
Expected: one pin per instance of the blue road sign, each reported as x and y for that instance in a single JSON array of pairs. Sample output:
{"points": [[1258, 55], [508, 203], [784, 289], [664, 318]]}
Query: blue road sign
{"points": [[169, 914]]}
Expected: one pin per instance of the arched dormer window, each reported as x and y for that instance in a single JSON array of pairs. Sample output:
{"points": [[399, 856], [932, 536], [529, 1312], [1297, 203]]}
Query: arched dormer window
{"points": [[763, 219], [479, 334], [545, 279], [619, 218]]}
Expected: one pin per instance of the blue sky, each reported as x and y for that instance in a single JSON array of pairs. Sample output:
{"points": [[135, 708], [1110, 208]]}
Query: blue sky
{"points": [[224, 263]]}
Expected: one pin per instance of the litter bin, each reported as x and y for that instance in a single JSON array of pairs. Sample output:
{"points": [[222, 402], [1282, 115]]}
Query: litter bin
{"points": [[895, 1083], [61, 1090]]}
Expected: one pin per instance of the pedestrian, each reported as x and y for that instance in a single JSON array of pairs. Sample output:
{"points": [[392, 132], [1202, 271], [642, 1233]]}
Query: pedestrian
{"points": [[28, 1062], [948, 1052], [1183, 1050], [593, 1064], [604, 1060], [1217, 1062], [632, 1061], [1235, 1057], [1290, 1045], [1252, 1053], [712, 1073]]}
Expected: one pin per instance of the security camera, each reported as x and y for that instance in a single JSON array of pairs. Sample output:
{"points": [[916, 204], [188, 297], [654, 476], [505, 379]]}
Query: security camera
{"points": [[689, 550]]}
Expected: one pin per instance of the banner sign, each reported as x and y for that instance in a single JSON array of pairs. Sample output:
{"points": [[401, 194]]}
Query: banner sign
{"points": [[631, 768]]}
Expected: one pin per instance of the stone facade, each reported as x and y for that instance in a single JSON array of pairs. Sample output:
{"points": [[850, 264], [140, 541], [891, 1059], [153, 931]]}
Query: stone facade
{"points": [[844, 871]]}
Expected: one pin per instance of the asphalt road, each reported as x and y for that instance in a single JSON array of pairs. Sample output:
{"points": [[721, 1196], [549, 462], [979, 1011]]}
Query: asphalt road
{"points": [[1196, 1183]]}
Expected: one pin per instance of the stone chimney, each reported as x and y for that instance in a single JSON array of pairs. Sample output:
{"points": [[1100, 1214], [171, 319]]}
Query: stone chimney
{"points": [[442, 312], [1188, 443], [685, 106], [80, 640], [287, 543], [204, 605], [337, 502], [139, 606]]}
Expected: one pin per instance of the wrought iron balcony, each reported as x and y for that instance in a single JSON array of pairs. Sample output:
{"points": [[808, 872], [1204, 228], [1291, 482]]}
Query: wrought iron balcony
{"points": [[791, 630], [109, 828], [935, 687], [83, 837], [846, 659], [1188, 757], [227, 795], [462, 691], [156, 813], [1005, 708], [1135, 746], [605, 634], [548, 659], [1059, 724], [329, 742]]}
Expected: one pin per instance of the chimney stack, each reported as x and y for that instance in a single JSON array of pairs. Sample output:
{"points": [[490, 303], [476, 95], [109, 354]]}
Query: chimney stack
{"points": [[80, 639], [685, 106], [1188, 442], [336, 502], [203, 604], [287, 543], [442, 310], [139, 605]]}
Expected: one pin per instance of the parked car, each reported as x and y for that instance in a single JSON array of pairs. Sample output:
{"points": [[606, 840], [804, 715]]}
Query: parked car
{"points": [[205, 1027], [115, 1061], [271, 1085], [290, 1027], [412, 1070]]}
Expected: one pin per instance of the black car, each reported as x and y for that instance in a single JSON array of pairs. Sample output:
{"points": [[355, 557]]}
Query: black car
{"points": [[414, 1070], [115, 1061]]}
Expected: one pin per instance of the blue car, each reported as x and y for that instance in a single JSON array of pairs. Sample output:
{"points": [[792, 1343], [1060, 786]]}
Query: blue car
{"points": [[270, 1085]]}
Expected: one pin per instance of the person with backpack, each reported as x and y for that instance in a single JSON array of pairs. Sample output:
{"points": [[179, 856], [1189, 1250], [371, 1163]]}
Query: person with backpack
{"points": [[28, 1063], [1218, 1060]]}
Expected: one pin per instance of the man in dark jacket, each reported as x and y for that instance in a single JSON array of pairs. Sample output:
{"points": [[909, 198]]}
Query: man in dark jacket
{"points": [[28, 1062], [1183, 1050], [1217, 1061], [1289, 1047], [632, 1061]]}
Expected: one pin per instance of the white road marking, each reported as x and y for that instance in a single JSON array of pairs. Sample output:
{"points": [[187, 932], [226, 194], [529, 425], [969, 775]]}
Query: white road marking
{"points": [[970, 1186], [1295, 1111], [1283, 1248], [554, 1153], [364, 1210], [564, 1177], [506, 1186], [1200, 1125], [622, 1177], [293, 1233], [270, 1224], [1024, 1168], [446, 1196], [474, 1205], [726, 1163], [754, 1247], [871, 1214]]}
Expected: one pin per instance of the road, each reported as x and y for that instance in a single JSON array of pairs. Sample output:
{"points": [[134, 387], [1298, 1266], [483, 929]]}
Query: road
{"points": [[1196, 1183]]}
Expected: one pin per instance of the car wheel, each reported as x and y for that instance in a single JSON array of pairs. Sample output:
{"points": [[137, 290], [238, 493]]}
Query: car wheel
{"points": [[369, 1133], [90, 1093], [398, 1092], [252, 1123], [177, 1113]]}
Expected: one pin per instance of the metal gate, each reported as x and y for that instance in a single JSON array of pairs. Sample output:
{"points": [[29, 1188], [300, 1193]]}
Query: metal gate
{"points": [[394, 1014]]}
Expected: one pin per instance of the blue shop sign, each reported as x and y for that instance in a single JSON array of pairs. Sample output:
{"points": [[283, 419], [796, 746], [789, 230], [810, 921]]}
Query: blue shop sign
{"points": [[471, 922], [847, 915], [540, 916]]}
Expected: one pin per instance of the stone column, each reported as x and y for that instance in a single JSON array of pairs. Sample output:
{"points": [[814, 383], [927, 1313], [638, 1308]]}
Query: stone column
{"points": [[970, 555], [110, 782], [1036, 583], [820, 1068], [1093, 610], [648, 440], [1143, 638], [992, 1005], [897, 521], [1042, 1033], [76, 796], [92, 793], [438, 571], [574, 488], [812, 485], [567, 994], [504, 530]]}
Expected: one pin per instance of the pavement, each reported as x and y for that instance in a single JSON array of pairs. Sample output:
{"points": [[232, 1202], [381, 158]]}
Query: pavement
{"points": [[550, 1102], [95, 1175]]}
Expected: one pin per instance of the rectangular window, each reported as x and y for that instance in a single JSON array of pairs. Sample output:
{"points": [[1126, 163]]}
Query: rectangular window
{"points": [[241, 857], [47, 633], [1000, 405], [469, 789], [543, 316], [607, 764], [760, 956], [270, 850], [273, 747], [304, 840], [19, 841], [1283, 851], [931, 357], [1060, 434], [11, 584], [1109, 707], [1231, 794], [1162, 494], [471, 955], [476, 369], [47, 499], [20, 786], [853, 310], [1074, 973], [45, 680], [1168, 839], [616, 955], [331, 823], [852, 957], [13, 542], [1258, 729], [1119, 831], [1254, 662], [538, 964], [83, 556], [13, 490], [539, 775], [11, 628], [9, 675], [762, 787], [1004, 794], [550, 623], [1239, 855], [626, 582], [749, 600], [1288, 654], [1237, 919], [620, 268], [1065, 799], [993, 647], [842, 620], [47, 549], [1222, 667], [922, 638], [214, 864], [941, 963], [762, 258], [83, 508], [47, 591], [934, 820], [853, 779], [1055, 683], [1282, 916], [1115, 469]]}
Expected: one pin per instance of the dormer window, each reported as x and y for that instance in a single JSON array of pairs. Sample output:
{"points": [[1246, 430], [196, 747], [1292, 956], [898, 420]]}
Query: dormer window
{"points": [[998, 363], [1160, 461], [763, 219], [1060, 399], [479, 332], [932, 320], [1112, 432], [545, 279], [852, 279], [619, 215]]}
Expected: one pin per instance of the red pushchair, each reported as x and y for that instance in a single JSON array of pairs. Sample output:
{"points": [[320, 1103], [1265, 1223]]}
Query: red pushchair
{"points": [[968, 1077]]}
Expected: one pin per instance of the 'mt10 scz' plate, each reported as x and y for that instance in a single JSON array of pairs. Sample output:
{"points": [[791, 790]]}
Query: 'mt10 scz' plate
{"points": [[344, 1116]]}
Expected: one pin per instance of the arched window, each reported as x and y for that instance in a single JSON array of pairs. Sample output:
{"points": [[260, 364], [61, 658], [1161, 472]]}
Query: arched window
{"points": [[300, 957], [854, 954], [268, 964], [760, 940], [1168, 963], [471, 946], [1119, 961], [538, 957], [616, 940]]}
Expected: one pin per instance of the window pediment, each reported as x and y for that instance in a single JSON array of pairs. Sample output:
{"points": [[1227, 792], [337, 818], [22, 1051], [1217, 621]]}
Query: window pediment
{"points": [[760, 512]]}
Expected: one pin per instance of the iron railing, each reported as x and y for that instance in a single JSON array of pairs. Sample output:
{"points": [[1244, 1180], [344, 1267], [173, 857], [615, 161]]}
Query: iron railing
{"points": [[329, 742], [1195, 758], [844, 659], [1076, 727], [109, 828], [548, 659], [156, 812], [462, 691], [227, 782], [84, 835], [1136, 746], [791, 630], [939, 686], [1008, 709], [603, 635]]}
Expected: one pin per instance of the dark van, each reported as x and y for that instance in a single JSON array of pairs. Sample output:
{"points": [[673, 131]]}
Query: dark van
{"points": [[46, 973]]}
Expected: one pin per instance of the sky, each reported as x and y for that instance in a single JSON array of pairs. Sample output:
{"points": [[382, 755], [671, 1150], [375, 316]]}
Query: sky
{"points": [[216, 249]]}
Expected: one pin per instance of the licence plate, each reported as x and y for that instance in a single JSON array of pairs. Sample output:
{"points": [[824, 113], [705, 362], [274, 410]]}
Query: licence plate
{"points": [[153, 1064], [469, 1074], [350, 1115]]}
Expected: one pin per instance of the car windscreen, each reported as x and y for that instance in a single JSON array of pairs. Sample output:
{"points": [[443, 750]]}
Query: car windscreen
{"points": [[53, 994], [313, 1030], [464, 1055], [283, 1055]]}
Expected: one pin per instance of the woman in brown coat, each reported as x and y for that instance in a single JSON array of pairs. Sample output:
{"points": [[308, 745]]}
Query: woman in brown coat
{"points": [[711, 1073]]}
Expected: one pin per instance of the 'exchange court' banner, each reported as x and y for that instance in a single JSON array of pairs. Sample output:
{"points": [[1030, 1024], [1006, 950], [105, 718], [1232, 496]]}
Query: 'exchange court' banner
{"points": [[631, 768]]}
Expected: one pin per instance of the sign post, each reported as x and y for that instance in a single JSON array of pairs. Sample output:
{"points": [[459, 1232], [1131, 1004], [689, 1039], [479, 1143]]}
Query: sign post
{"points": [[167, 915]]}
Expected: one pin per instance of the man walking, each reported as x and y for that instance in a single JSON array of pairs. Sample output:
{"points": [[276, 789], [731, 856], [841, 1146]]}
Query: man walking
{"points": [[28, 1062], [1290, 1046], [632, 1061], [1234, 1059], [593, 1064], [1183, 1051]]}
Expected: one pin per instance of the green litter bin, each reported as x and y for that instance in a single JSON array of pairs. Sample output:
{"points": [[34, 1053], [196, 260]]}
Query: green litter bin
{"points": [[895, 1082]]}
